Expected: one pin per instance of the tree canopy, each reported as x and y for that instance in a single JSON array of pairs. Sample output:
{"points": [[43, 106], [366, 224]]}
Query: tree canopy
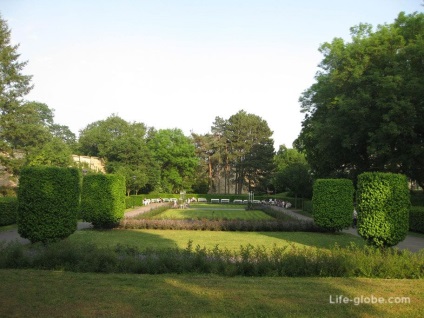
{"points": [[365, 112]]}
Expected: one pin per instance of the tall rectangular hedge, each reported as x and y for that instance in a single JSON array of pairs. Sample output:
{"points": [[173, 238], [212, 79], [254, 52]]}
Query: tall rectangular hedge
{"points": [[48, 201], [383, 208], [103, 199], [8, 210], [332, 203]]}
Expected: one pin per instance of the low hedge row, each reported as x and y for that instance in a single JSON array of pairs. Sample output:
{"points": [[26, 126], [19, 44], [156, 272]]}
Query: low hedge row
{"points": [[221, 225], [416, 219], [249, 260], [8, 210]]}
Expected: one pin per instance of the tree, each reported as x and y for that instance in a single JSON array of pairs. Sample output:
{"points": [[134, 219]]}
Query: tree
{"points": [[123, 145], [175, 154], [296, 178], [245, 139], [285, 158], [13, 84], [205, 152], [259, 166], [365, 111], [53, 153]]}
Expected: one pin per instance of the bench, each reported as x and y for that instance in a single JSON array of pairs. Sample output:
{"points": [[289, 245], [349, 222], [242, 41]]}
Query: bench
{"points": [[202, 200], [214, 200], [238, 201], [225, 200]]}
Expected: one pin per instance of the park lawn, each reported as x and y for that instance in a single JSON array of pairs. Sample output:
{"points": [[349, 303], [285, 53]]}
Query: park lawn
{"points": [[162, 239], [213, 212], [36, 293]]}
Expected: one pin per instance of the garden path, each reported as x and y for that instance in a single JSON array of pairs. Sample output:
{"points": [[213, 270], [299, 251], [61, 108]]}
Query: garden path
{"points": [[412, 242]]}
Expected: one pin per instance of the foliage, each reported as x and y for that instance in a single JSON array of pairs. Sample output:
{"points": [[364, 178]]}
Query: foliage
{"points": [[332, 203], [53, 153], [48, 200], [123, 146], [416, 219], [8, 210], [248, 260], [237, 154], [296, 178], [383, 204], [24, 126], [175, 155], [286, 156], [103, 199], [417, 198], [365, 110]]}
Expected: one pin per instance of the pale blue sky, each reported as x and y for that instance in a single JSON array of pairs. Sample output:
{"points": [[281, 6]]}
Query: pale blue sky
{"points": [[179, 64]]}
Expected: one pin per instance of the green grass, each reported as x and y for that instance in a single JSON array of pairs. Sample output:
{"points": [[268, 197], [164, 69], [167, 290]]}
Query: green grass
{"points": [[162, 239], [31, 293], [213, 212]]}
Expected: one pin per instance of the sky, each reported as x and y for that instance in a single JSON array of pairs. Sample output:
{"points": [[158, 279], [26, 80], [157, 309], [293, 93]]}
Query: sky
{"points": [[182, 63]]}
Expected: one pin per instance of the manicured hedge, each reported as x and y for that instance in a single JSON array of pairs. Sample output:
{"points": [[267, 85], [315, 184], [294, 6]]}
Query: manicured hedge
{"points": [[416, 219], [332, 203], [103, 199], [48, 199], [383, 208], [8, 210]]}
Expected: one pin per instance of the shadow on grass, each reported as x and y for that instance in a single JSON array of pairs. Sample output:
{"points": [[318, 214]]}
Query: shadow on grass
{"points": [[275, 297], [48, 293]]}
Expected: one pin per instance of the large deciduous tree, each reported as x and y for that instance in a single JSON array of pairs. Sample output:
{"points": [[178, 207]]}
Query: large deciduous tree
{"points": [[175, 154], [365, 112], [123, 146]]}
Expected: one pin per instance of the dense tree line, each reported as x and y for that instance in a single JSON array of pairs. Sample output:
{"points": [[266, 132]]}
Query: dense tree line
{"points": [[365, 112]]}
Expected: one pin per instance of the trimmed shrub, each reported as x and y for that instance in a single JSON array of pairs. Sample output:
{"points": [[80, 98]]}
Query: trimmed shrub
{"points": [[332, 203], [48, 200], [383, 208], [103, 199], [416, 219], [8, 210]]}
